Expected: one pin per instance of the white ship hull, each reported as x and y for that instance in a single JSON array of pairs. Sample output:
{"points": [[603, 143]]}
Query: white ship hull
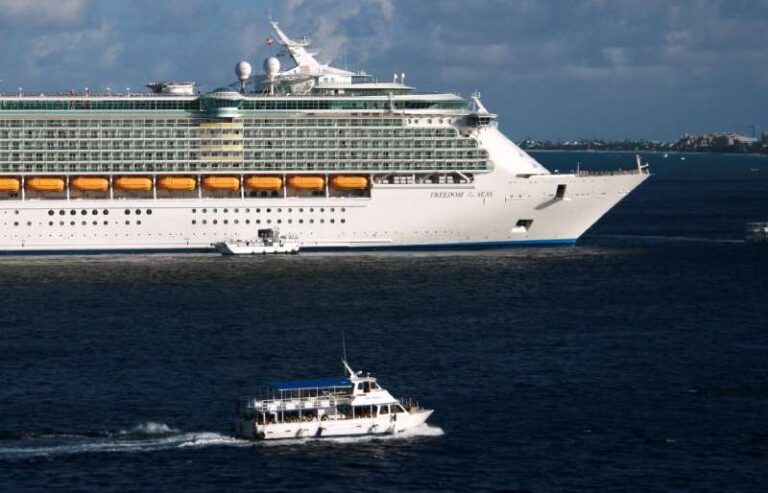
{"points": [[484, 213], [381, 425]]}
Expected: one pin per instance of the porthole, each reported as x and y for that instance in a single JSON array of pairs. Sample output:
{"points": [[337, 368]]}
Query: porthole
{"points": [[194, 221], [16, 212], [84, 212], [258, 210], [333, 221], [333, 210], [290, 221], [95, 223], [301, 221], [127, 212], [94, 212], [311, 209], [226, 210], [50, 223], [237, 222], [149, 212], [301, 209], [72, 212], [226, 221], [84, 223], [138, 212], [15, 223], [343, 209], [269, 221], [194, 211], [248, 210], [127, 223], [258, 221], [50, 213], [215, 211], [269, 210], [71, 223], [205, 210], [247, 221], [106, 223], [61, 223], [106, 212], [322, 221], [279, 221], [343, 220], [205, 221], [322, 209], [290, 210], [138, 223], [237, 210], [215, 221], [311, 221], [61, 213], [279, 209]]}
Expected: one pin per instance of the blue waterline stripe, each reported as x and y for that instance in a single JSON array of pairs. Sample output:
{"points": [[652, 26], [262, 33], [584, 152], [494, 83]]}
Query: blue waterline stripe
{"points": [[483, 245]]}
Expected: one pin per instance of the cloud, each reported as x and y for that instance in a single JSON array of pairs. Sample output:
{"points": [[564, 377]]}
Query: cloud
{"points": [[22, 14]]}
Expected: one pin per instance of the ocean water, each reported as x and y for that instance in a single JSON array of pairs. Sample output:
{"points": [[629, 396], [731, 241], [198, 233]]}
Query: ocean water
{"points": [[634, 361]]}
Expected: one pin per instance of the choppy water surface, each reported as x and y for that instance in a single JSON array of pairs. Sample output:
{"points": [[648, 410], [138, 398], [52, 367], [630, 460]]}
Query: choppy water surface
{"points": [[637, 360]]}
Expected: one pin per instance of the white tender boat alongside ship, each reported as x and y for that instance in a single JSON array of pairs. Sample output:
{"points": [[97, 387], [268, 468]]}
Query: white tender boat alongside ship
{"points": [[324, 408], [337, 158], [269, 241], [756, 233]]}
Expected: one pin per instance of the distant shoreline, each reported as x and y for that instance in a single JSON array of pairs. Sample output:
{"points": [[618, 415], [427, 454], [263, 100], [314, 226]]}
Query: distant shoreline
{"points": [[617, 151]]}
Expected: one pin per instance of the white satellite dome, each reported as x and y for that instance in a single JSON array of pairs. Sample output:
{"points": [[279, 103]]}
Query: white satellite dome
{"points": [[271, 66], [243, 70]]}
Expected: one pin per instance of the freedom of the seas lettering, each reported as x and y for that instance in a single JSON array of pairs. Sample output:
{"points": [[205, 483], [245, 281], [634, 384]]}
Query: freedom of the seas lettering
{"points": [[459, 195]]}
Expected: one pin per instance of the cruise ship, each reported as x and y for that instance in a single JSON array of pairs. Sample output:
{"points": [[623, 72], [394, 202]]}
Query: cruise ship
{"points": [[336, 158]]}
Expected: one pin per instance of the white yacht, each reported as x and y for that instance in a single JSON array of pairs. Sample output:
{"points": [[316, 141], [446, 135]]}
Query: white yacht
{"points": [[340, 159], [269, 241], [329, 407]]}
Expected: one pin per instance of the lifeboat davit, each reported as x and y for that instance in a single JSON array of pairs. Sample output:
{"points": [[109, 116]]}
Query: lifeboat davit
{"points": [[307, 182], [45, 184], [89, 183], [264, 182], [133, 183], [177, 183], [10, 185], [221, 183], [350, 182]]}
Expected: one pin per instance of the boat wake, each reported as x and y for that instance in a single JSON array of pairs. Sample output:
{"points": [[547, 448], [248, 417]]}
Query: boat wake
{"points": [[152, 437], [144, 437]]}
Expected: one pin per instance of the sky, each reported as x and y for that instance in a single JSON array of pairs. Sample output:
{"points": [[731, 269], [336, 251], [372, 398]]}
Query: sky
{"points": [[551, 69]]}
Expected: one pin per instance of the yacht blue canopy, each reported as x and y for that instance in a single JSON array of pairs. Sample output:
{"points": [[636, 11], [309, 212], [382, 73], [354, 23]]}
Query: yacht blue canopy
{"points": [[320, 383]]}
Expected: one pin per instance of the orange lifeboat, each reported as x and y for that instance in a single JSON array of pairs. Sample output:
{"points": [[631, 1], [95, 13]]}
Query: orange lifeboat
{"points": [[264, 182], [221, 183], [350, 182], [89, 183], [10, 185], [177, 183], [306, 182], [133, 183], [45, 184]]}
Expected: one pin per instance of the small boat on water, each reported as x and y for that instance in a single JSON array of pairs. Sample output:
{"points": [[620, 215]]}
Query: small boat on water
{"points": [[756, 233], [329, 407], [269, 241]]}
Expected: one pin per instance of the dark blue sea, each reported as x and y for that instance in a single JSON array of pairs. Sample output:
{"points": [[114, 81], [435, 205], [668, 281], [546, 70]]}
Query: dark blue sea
{"points": [[634, 361]]}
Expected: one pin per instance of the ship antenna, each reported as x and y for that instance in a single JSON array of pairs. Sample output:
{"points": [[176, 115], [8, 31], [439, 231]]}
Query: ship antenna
{"points": [[343, 346]]}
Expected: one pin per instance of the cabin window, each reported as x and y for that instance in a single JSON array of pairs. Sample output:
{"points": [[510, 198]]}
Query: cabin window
{"points": [[560, 193], [383, 409], [397, 408]]}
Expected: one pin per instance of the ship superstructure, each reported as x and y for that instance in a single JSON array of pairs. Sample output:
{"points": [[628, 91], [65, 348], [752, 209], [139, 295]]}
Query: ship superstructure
{"points": [[331, 156]]}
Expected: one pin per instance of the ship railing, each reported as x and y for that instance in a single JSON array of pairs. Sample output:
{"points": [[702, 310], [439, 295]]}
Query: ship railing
{"points": [[613, 172], [410, 405]]}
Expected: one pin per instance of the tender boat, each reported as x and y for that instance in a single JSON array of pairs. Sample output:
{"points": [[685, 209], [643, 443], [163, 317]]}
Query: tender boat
{"points": [[268, 241], [757, 233], [330, 407]]}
